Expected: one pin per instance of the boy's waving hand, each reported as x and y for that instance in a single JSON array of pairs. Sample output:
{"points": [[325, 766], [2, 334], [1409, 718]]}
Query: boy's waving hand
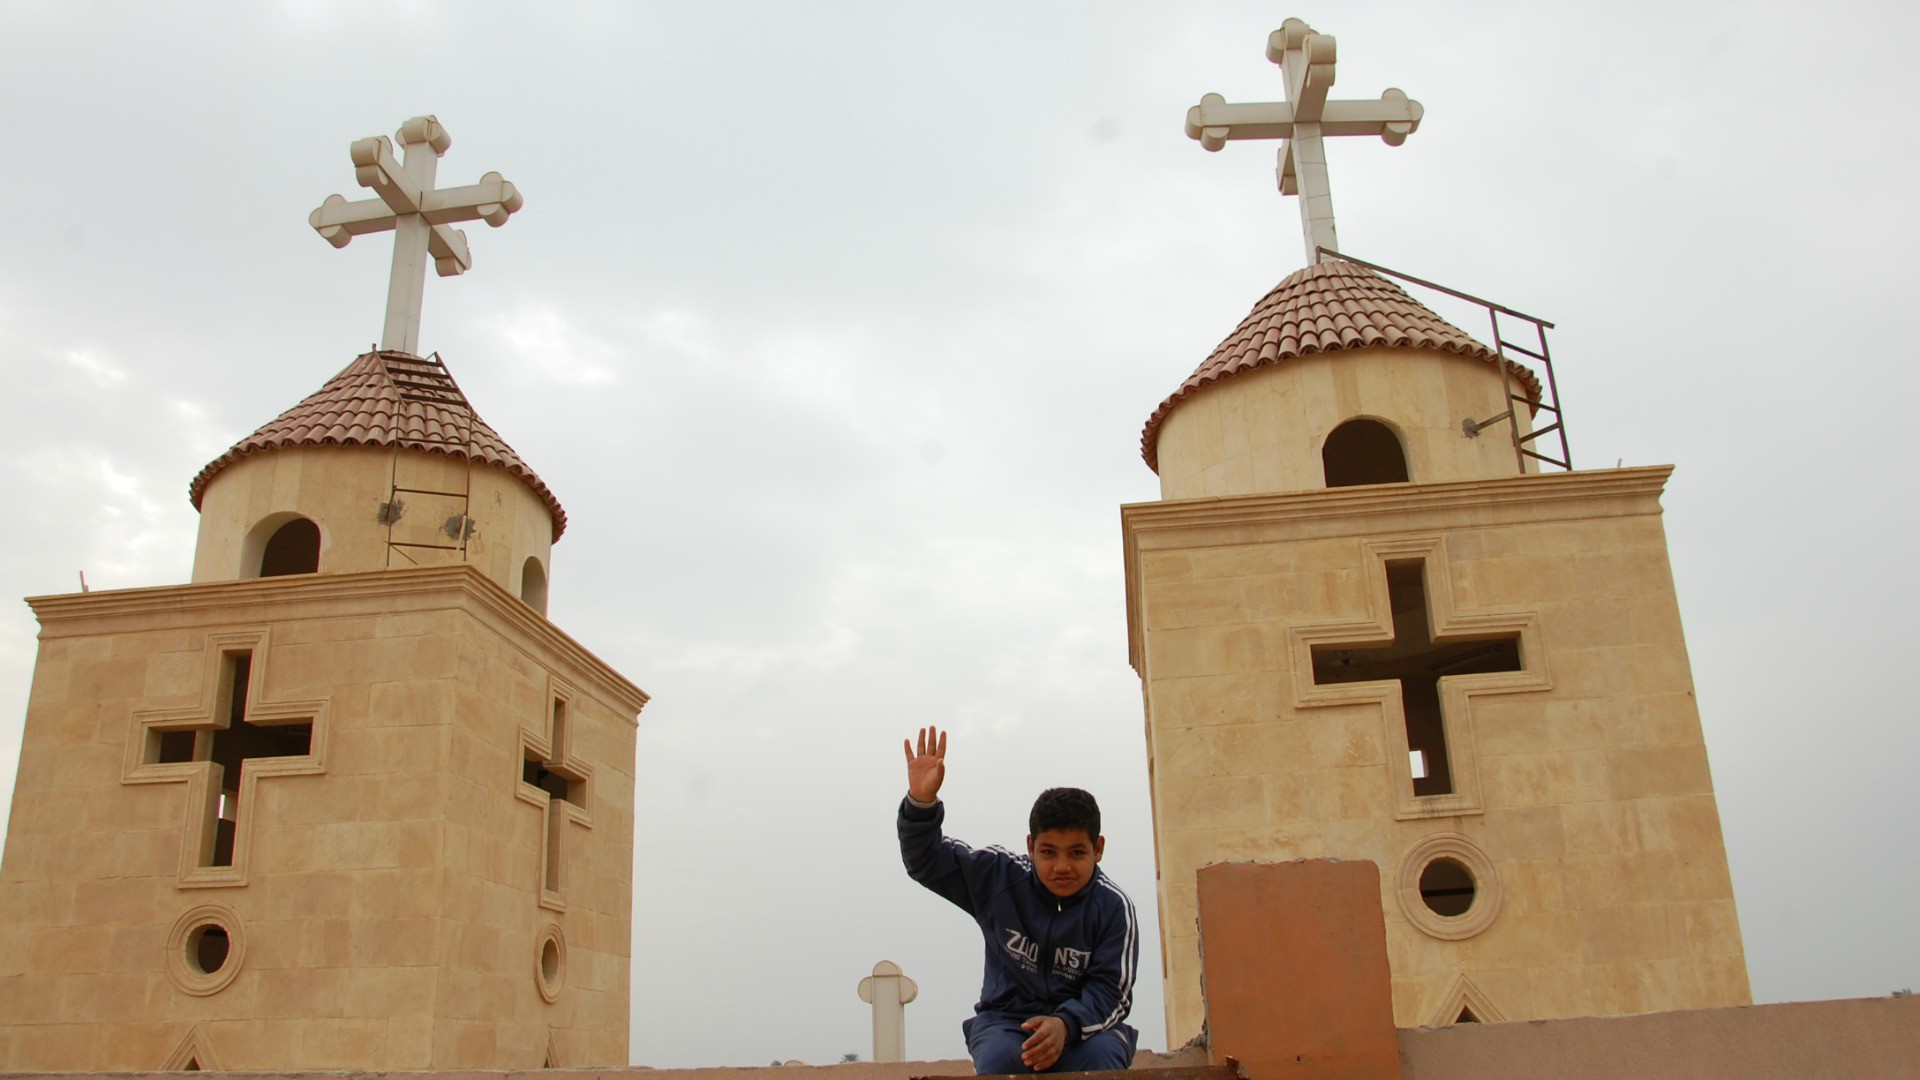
{"points": [[927, 765]]}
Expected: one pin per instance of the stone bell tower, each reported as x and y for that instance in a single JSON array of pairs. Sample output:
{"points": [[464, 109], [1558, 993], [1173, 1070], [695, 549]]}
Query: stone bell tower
{"points": [[1368, 627], [348, 799]]}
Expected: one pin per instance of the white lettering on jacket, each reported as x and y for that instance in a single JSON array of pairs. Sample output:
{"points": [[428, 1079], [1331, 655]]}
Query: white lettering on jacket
{"points": [[1024, 949], [1071, 961]]}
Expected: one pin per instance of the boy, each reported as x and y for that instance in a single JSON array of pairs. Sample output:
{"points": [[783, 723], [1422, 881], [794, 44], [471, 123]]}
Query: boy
{"points": [[1060, 936]]}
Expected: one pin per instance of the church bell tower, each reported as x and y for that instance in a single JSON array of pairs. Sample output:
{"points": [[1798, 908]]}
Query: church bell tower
{"points": [[1369, 626], [348, 800]]}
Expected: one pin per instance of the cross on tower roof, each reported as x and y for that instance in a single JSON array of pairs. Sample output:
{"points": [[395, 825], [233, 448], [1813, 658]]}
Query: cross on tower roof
{"points": [[1306, 60], [418, 214]]}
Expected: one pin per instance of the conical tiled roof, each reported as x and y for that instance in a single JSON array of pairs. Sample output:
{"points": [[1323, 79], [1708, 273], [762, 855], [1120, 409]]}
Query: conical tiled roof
{"points": [[362, 406], [1327, 306]]}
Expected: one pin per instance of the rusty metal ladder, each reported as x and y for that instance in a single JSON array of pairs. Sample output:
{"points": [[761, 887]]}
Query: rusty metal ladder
{"points": [[427, 382], [1549, 399]]}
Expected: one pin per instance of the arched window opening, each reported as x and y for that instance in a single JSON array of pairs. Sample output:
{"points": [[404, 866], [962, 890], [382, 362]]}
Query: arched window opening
{"points": [[294, 548], [533, 585], [1363, 452]]}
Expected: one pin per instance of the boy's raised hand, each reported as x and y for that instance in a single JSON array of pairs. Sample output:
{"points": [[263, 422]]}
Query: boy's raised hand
{"points": [[926, 765]]}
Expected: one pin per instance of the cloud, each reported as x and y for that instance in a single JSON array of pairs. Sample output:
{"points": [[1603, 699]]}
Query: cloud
{"points": [[820, 648], [131, 537], [97, 371], [193, 426], [556, 347], [685, 333]]}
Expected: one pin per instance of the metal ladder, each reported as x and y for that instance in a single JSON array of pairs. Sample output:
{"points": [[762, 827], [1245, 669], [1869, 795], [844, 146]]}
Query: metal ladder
{"points": [[1549, 400], [427, 382]]}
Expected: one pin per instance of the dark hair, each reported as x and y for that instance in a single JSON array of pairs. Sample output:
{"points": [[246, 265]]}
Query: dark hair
{"points": [[1064, 808]]}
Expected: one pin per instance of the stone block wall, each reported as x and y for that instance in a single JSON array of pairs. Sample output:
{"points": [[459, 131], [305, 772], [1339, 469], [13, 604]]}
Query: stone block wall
{"points": [[377, 888], [1261, 430], [343, 490], [1581, 808]]}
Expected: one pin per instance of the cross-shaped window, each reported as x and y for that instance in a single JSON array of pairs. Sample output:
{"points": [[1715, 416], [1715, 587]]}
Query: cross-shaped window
{"points": [[1418, 662], [552, 778], [221, 749], [230, 746]]}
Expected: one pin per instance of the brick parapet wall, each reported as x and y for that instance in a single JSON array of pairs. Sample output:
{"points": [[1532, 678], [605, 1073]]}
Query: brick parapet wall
{"points": [[1855, 1039]]}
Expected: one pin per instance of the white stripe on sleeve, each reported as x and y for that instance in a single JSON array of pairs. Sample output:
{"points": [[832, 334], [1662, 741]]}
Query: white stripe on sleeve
{"points": [[1125, 1003]]}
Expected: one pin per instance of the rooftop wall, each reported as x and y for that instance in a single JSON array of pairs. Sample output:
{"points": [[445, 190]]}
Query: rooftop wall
{"points": [[1859, 1039]]}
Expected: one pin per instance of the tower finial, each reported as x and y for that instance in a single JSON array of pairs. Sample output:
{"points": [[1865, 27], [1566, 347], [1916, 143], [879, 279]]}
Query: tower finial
{"points": [[1306, 61], [418, 214]]}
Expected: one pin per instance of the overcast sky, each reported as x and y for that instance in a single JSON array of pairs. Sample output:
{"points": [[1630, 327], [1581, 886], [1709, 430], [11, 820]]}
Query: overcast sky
{"points": [[834, 326]]}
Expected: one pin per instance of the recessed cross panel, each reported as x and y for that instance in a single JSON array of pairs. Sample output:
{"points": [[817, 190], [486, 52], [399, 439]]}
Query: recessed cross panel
{"points": [[230, 748], [560, 783], [221, 749], [1420, 663], [1301, 122], [1417, 662]]}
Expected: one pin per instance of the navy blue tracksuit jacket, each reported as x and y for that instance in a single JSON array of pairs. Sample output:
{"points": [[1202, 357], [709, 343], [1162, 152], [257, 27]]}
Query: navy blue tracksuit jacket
{"points": [[1066, 956]]}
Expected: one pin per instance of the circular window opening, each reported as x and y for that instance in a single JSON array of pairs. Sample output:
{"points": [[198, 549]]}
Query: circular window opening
{"points": [[207, 948], [550, 963], [1447, 888]]}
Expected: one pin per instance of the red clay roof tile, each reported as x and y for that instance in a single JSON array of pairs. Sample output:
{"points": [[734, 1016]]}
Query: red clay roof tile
{"points": [[1326, 307], [362, 406]]}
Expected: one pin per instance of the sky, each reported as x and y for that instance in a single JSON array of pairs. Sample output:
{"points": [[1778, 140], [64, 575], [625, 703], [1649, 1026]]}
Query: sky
{"points": [[834, 326]]}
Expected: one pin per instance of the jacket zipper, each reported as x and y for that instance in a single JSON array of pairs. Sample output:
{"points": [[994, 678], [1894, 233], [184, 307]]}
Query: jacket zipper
{"points": [[1046, 954]]}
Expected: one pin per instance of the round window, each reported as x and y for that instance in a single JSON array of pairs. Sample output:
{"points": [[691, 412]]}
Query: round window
{"points": [[208, 947], [550, 962], [1448, 888], [205, 949]]}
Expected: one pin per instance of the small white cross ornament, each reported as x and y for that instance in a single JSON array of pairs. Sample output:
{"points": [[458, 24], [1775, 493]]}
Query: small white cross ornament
{"points": [[888, 990], [418, 214], [1306, 62]]}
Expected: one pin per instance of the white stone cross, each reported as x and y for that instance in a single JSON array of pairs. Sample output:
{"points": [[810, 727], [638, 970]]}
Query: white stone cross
{"points": [[418, 214], [1306, 62], [889, 991]]}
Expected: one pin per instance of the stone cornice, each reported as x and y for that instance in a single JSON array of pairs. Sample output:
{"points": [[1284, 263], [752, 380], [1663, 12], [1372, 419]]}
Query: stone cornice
{"points": [[384, 592], [1377, 510]]}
